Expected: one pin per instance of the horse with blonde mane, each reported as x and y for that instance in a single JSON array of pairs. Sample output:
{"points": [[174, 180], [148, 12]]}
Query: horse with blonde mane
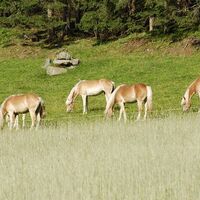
{"points": [[193, 88], [139, 93], [86, 88], [21, 104]]}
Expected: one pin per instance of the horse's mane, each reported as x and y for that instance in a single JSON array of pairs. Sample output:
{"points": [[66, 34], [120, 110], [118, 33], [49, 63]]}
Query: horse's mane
{"points": [[191, 89], [73, 90]]}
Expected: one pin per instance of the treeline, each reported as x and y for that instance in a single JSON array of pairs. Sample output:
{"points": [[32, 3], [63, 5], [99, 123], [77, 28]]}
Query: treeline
{"points": [[50, 21]]}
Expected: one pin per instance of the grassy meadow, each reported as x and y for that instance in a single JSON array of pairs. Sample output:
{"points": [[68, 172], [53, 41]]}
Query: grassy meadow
{"points": [[157, 159], [163, 66], [86, 157]]}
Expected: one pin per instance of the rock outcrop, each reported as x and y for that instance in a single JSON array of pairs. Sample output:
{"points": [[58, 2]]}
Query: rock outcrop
{"points": [[60, 63]]}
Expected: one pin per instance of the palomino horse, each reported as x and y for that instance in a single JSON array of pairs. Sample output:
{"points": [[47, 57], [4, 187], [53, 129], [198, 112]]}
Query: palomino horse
{"points": [[139, 93], [86, 88], [20, 104], [194, 88]]}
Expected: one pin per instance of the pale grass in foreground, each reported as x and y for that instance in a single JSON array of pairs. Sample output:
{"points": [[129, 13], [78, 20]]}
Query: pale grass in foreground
{"points": [[157, 159]]}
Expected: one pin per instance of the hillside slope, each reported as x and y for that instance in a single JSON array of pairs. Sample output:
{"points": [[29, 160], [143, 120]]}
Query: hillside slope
{"points": [[168, 69]]}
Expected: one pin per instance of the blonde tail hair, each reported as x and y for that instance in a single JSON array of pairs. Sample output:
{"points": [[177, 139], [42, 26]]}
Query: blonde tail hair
{"points": [[42, 108], [111, 101], [149, 98]]}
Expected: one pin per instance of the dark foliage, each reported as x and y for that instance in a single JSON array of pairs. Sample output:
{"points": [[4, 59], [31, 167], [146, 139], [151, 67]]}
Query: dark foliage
{"points": [[51, 21]]}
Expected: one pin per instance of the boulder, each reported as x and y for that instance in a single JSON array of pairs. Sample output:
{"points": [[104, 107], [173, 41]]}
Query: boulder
{"points": [[75, 62], [60, 64], [66, 63], [63, 55], [52, 71]]}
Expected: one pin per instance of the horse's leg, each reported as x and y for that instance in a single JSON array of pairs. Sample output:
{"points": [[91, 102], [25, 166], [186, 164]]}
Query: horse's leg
{"points": [[122, 111], [107, 96], [84, 98], [139, 103], [38, 120], [145, 111], [33, 118], [125, 118], [8, 120], [12, 119], [16, 124], [23, 120], [199, 99]]}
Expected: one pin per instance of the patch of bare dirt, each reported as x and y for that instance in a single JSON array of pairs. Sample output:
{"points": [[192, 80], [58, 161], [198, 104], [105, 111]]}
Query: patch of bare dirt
{"points": [[186, 47], [18, 51], [135, 45]]}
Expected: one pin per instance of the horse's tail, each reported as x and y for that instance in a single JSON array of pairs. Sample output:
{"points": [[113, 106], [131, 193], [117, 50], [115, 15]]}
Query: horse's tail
{"points": [[2, 113], [111, 102], [149, 98], [41, 108]]}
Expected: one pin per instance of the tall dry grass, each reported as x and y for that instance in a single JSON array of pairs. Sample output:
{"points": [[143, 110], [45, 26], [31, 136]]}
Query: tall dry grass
{"points": [[154, 160]]}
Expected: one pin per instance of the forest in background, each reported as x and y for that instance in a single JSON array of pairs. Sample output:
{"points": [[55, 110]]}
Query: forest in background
{"points": [[52, 21]]}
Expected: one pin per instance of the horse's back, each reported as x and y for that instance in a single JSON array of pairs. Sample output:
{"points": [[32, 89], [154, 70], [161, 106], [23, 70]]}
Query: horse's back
{"points": [[93, 87], [130, 93], [21, 102]]}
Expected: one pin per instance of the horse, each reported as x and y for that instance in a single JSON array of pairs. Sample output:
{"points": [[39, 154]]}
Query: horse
{"points": [[139, 93], [193, 88], [21, 104], [86, 88]]}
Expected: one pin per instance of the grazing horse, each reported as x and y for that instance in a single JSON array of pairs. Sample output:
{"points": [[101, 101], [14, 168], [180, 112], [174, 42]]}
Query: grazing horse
{"points": [[86, 88], [139, 93], [194, 88], [20, 104]]}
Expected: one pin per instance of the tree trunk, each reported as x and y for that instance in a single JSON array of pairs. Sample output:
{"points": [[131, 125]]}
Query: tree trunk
{"points": [[131, 6], [96, 34], [49, 13], [184, 4], [151, 23]]}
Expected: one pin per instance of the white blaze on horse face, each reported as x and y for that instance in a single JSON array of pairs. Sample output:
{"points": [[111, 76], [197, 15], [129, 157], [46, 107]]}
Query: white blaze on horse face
{"points": [[185, 102], [186, 107]]}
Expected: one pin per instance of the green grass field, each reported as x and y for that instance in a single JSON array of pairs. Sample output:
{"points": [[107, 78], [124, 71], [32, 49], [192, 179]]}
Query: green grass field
{"points": [[166, 71]]}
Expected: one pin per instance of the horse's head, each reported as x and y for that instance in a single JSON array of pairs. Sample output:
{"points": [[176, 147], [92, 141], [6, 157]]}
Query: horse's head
{"points": [[185, 103], [69, 105]]}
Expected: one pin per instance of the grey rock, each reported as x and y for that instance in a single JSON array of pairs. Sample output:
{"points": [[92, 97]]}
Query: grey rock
{"points": [[62, 62], [63, 55], [75, 62], [52, 71]]}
